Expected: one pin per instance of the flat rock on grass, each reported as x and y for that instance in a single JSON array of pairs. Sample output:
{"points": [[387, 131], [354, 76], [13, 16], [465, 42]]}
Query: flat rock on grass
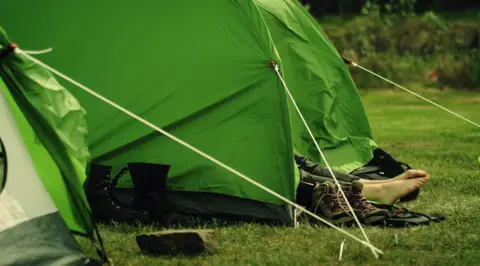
{"points": [[177, 242]]}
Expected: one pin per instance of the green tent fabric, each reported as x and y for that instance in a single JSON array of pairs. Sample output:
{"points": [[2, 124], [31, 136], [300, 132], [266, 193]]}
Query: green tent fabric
{"points": [[200, 69], [203, 76], [52, 125], [322, 87], [31, 230]]}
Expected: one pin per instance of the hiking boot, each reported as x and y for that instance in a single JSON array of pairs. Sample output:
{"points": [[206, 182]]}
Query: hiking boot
{"points": [[105, 207], [356, 199], [149, 182], [329, 203]]}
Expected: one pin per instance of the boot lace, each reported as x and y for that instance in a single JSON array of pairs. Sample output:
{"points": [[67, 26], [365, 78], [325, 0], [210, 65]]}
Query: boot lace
{"points": [[111, 184], [338, 199], [318, 200], [363, 202]]}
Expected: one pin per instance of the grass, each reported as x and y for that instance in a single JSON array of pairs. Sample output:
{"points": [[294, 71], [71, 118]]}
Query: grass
{"points": [[414, 132]]}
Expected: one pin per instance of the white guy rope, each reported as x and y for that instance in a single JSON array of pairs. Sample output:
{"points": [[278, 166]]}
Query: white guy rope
{"points": [[44, 51], [277, 70], [416, 94], [185, 144]]}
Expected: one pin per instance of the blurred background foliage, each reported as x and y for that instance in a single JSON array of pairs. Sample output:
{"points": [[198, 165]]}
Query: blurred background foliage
{"points": [[430, 43]]}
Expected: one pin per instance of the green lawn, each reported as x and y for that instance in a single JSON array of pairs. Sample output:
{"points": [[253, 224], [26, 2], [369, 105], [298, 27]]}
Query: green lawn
{"points": [[413, 131]]}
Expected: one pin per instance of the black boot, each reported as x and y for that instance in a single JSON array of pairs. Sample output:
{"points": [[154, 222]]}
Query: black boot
{"points": [[104, 205], [149, 182]]}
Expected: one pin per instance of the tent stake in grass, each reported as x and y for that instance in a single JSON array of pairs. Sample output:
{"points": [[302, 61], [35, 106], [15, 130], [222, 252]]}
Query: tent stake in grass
{"points": [[343, 246], [350, 62]]}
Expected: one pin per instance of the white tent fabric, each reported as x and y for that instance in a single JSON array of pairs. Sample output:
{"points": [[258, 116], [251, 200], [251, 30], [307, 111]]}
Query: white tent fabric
{"points": [[31, 230], [19, 202]]}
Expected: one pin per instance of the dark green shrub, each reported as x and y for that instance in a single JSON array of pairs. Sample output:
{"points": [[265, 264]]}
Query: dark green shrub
{"points": [[461, 72], [407, 49]]}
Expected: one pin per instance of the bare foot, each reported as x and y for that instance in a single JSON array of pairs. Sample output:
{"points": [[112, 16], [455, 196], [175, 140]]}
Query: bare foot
{"points": [[390, 192], [411, 174]]}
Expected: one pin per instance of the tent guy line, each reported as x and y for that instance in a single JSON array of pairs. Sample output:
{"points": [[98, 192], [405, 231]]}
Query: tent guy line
{"points": [[277, 70], [17, 50], [36, 52], [350, 62]]}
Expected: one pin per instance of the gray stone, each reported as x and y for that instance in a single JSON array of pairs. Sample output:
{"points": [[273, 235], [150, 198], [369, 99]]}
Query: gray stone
{"points": [[176, 242]]}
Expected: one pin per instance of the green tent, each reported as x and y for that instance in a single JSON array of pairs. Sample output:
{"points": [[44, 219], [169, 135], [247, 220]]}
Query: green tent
{"points": [[322, 87], [43, 158], [200, 70]]}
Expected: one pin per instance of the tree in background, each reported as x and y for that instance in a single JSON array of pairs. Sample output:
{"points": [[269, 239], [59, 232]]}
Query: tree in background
{"points": [[406, 40], [319, 8]]}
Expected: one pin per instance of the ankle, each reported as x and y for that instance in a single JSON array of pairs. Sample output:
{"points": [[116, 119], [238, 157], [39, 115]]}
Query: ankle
{"points": [[379, 192]]}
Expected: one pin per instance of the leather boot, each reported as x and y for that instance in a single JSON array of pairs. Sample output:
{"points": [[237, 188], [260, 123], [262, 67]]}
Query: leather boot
{"points": [[105, 207], [149, 182]]}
